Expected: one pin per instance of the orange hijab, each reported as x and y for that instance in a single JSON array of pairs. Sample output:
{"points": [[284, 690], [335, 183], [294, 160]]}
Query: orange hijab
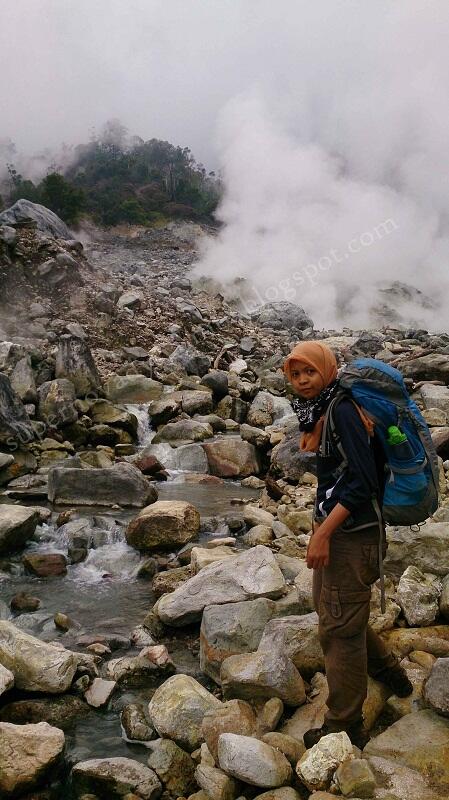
{"points": [[319, 356]]}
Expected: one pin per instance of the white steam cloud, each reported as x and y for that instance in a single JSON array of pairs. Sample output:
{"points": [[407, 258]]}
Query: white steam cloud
{"points": [[339, 186]]}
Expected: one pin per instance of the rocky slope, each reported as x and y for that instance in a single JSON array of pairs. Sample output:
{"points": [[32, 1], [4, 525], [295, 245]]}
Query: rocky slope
{"points": [[123, 380]]}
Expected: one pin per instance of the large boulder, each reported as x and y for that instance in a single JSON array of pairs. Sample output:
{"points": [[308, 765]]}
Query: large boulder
{"points": [[185, 430], [217, 380], [36, 666], [102, 412], [22, 380], [417, 595], [177, 710], [251, 574], [288, 461], [433, 367], [433, 639], [234, 716], [113, 778], [74, 361], [440, 439], [57, 403], [164, 525], [267, 409], [15, 425], [253, 761], [419, 741], [17, 524], [27, 755], [399, 782], [232, 408], [194, 401], [426, 548], [174, 767], [435, 396], [132, 389], [131, 299], [282, 315], [191, 360], [262, 674], [232, 458], [311, 714], [120, 484], [355, 777], [22, 464], [436, 690], [202, 557], [231, 629], [297, 637], [317, 766], [24, 211], [215, 783]]}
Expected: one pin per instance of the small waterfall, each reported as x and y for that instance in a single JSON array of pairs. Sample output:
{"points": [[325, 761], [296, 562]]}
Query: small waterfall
{"points": [[116, 560], [109, 556], [144, 430]]}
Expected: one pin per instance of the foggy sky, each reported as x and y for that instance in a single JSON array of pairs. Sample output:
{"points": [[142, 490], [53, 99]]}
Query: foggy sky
{"points": [[326, 117]]}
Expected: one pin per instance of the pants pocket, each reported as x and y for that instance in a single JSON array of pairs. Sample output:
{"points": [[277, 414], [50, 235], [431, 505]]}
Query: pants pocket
{"points": [[343, 614], [369, 563]]}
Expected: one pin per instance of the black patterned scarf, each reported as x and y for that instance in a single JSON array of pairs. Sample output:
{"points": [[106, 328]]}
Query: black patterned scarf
{"points": [[310, 411]]}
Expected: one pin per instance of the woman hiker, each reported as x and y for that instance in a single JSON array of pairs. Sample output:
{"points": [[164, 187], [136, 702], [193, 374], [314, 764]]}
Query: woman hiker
{"points": [[343, 550]]}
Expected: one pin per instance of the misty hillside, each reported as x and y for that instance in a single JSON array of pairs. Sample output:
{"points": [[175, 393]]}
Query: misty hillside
{"points": [[115, 178]]}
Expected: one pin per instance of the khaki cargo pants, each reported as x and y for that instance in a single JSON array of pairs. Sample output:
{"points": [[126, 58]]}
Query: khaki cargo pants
{"points": [[352, 650]]}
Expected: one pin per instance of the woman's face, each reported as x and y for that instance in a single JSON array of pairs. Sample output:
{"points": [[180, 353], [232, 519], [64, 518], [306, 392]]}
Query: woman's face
{"points": [[306, 381]]}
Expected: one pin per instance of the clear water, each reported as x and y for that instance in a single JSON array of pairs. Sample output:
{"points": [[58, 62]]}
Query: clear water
{"points": [[104, 595]]}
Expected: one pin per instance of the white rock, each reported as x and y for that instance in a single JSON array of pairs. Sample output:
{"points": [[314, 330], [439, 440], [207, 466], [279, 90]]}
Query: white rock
{"points": [[253, 761], [99, 692], [17, 524], [250, 574], [238, 366], [177, 709], [202, 557], [436, 692], [417, 594], [27, 752], [317, 766], [262, 674], [253, 515], [37, 666], [435, 396]]}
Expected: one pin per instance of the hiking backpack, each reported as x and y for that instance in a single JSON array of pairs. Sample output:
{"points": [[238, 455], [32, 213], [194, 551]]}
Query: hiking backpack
{"points": [[411, 487]]}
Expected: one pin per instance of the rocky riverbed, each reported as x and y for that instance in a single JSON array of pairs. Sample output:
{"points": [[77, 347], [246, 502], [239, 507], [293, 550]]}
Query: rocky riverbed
{"points": [[157, 632]]}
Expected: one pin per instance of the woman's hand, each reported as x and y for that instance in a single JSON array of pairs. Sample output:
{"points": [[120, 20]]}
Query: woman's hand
{"points": [[318, 550]]}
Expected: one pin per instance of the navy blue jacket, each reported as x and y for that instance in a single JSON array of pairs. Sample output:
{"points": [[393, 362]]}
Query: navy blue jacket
{"points": [[363, 477]]}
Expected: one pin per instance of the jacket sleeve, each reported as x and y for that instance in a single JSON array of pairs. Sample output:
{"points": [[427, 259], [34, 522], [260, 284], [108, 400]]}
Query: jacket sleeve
{"points": [[359, 481]]}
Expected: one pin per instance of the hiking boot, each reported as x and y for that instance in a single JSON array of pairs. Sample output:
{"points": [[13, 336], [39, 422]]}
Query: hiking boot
{"points": [[397, 680], [356, 732]]}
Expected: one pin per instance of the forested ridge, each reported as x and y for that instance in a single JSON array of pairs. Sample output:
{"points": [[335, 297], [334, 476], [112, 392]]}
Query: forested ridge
{"points": [[116, 178]]}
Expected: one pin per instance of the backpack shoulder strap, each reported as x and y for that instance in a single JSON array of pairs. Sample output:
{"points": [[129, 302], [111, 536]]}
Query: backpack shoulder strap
{"points": [[330, 431]]}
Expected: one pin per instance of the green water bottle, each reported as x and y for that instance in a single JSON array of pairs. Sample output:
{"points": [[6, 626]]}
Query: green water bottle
{"points": [[395, 435], [398, 440]]}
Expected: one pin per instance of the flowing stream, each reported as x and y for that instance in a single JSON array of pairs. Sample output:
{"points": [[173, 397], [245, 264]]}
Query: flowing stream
{"points": [[104, 595]]}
